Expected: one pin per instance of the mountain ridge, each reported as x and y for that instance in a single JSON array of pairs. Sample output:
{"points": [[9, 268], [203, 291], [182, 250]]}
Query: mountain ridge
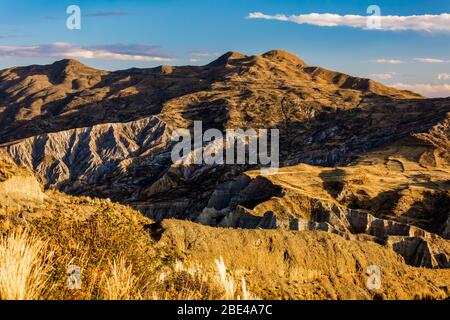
{"points": [[48, 91]]}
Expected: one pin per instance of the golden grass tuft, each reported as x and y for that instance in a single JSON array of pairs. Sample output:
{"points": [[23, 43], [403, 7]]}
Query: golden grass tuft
{"points": [[24, 266], [119, 283], [190, 282], [226, 281], [228, 284]]}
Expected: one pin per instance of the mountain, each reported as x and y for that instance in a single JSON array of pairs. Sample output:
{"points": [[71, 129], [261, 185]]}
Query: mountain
{"points": [[359, 159], [115, 245], [68, 94]]}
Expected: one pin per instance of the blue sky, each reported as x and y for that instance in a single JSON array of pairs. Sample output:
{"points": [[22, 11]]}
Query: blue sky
{"points": [[120, 34]]}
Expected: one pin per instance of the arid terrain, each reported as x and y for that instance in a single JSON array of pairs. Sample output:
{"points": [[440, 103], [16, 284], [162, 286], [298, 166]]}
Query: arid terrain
{"points": [[86, 171]]}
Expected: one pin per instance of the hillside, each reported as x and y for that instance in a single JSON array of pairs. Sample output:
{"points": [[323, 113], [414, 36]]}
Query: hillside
{"points": [[364, 177], [101, 137], [176, 259]]}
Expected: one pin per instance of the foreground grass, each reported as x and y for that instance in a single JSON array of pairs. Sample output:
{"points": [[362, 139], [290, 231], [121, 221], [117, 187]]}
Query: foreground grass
{"points": [[24, 266], [121, 255], [111, 247]]}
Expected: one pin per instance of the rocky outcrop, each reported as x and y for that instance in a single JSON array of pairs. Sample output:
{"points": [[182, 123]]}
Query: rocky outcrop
{"points": [[76, 158], [18, 186], [420, 252]]}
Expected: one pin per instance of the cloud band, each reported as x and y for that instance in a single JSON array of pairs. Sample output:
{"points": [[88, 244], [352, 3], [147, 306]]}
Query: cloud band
{"points": [[67, 50], [428, 22]]}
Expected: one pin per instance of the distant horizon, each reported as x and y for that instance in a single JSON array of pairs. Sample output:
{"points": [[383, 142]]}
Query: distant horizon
{"points": [[206, 63], [410, 49]]}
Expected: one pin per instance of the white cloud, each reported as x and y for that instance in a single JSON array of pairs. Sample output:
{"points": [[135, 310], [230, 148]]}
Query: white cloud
{"points": [[427, 89], [67, 50], [427, 22], [382, 76], [443, 76], [430, 60], [388, 61]]}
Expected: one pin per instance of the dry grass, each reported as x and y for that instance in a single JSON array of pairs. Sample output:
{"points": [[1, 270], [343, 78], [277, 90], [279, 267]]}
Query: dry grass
{"points": [[106, 241], [116, 256], [228, 284], [119, 259], [24, 266], [119, 282], [190, 282]]}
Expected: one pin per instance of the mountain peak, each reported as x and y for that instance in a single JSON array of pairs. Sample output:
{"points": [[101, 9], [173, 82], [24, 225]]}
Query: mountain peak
{"points": [[273, 55], [225, 58], [283, 55], [68, 63]]}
